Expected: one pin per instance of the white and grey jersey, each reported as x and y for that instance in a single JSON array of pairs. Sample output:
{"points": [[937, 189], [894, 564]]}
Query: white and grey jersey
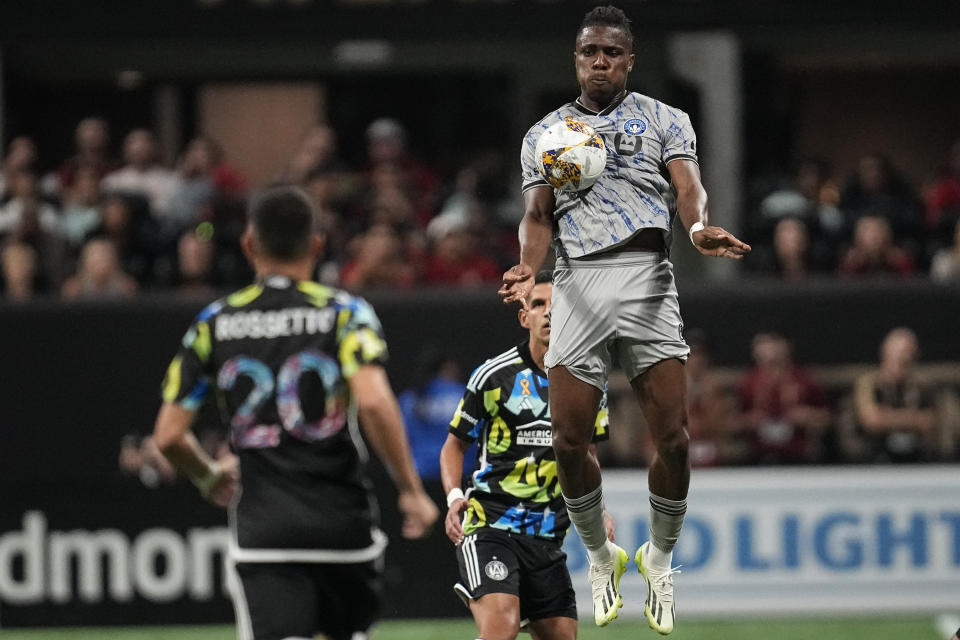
{"points": [[641, 136]]}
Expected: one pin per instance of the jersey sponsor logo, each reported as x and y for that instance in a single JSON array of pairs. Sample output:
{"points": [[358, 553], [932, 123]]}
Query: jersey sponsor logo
{"points": [[535, 437], [627, 145], [274, 324], [634, 126], [496, 570]]}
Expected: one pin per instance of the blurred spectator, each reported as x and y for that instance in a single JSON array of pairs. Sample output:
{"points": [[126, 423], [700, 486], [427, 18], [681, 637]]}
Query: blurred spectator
{"points": [[715, 434], [877, 189], [92, 152], [457, 260], [387, 148], [142, 173], [81, 206], [792, 251], [428, 407], [18, 261], [195, 265], [21, 157], [23, 188], [28, 219], [379, 260], [783, 405], [317, 153], [99, 274], [322, 188], [946, 262], [895, 406], [203, 180], [873, 251], [943, 198], [812, 197], [125, 221]]}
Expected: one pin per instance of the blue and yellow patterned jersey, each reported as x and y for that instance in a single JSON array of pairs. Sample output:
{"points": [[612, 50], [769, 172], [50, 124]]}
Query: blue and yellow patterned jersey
{"points": [[276, 357], [514, 486], [641, 136]]}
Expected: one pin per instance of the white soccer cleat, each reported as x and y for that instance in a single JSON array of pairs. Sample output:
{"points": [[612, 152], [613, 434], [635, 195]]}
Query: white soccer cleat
{"points": [[605, 584], [659, 607]]}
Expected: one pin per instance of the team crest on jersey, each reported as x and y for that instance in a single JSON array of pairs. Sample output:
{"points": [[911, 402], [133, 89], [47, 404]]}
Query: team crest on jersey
{"points": [[634, 126], [496, 570]]}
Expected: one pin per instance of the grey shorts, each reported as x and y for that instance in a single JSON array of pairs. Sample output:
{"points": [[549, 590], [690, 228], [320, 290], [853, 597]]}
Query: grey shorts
{"points": [[620, 307]]}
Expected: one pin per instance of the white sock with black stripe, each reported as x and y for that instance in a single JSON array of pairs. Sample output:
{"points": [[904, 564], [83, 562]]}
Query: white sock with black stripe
{"points": [[666, 520]]}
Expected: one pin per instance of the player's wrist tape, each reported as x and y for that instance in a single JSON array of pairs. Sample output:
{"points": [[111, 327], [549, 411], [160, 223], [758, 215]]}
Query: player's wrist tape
{"points": [[696, 226], [454, 495], [209, 478]]}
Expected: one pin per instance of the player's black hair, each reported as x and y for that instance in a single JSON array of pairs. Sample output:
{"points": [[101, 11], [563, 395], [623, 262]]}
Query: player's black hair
{"points": [[608, 16], [282, 220], [543, 276]]}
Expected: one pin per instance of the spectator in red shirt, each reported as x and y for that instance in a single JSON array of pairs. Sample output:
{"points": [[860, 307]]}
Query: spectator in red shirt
{"points": [[784, 407], [455, 260], [873, 251]]}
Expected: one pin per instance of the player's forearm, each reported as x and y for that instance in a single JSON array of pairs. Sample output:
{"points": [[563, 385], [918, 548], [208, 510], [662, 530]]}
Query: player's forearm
{"points": [[383, 425], [451, 465], [692, 205], [535, 235], [177, 443]]}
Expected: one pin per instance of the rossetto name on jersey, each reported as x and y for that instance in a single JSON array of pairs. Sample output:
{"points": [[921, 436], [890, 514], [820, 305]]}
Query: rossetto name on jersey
{"points": [[274, 324]]}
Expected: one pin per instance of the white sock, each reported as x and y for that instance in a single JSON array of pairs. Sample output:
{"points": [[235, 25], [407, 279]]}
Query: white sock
{"points": [[586, 514], [666, 520]]}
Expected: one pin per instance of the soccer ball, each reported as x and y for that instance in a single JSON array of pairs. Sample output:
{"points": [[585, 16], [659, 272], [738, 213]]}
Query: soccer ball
{"points": [[570, 155]]}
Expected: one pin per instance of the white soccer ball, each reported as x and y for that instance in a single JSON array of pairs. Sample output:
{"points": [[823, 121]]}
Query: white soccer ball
{"points": [[570, 155]]}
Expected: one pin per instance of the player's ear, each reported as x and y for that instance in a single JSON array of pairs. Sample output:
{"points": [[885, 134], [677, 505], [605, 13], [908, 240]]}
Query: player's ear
{"points": [[630, 65], [317, 243], [247, 244], [522, 316]]}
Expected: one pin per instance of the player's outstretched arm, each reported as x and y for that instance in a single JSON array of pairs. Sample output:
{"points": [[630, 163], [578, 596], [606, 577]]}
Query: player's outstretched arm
{"points": [[451, 475], [692, 210], [216, 480], [383, 425], [536, 231]]}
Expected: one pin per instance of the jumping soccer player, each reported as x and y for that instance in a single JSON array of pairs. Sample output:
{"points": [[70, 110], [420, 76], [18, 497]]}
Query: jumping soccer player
{"points": [[615, 298]]}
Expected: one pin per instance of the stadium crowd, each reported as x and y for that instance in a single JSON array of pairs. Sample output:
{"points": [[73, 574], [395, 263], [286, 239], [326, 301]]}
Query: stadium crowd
{"points": [[94, 225]]}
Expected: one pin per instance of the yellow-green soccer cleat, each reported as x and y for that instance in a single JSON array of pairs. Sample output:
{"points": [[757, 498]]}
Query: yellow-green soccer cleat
{"points": [[605, 584], [659, 606]]}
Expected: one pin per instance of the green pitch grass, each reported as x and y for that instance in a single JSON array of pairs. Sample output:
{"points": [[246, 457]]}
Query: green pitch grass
{"points": [[805, 629]]}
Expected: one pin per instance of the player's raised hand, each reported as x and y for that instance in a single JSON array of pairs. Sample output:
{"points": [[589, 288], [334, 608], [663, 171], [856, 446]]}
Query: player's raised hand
{"points": [[419, 513], [454, 518], [718, 242], [517, 283]]}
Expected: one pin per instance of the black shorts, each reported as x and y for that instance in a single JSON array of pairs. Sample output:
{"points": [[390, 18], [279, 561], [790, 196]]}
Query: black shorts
{"points": [[495, 561], [280, 600]]}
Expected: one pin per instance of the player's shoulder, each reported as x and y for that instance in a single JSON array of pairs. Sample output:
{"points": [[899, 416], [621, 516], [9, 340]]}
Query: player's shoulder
{"points": [[493, 367], [657, 109]]}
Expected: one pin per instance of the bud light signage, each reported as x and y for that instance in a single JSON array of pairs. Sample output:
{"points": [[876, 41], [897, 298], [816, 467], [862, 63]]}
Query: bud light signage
{"points": [[792, 540]]}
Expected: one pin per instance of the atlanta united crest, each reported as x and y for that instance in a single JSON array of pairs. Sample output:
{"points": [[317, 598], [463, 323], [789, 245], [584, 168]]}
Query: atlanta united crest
{"points": [[495, 570]]}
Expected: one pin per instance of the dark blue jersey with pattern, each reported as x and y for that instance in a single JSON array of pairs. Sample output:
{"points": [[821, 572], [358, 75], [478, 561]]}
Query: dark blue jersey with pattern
{"points": [[514, 486], [277, 356]]}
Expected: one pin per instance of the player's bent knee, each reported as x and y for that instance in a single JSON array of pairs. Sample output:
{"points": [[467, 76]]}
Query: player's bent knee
{"points": [[569, 447], [674, 445]]}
